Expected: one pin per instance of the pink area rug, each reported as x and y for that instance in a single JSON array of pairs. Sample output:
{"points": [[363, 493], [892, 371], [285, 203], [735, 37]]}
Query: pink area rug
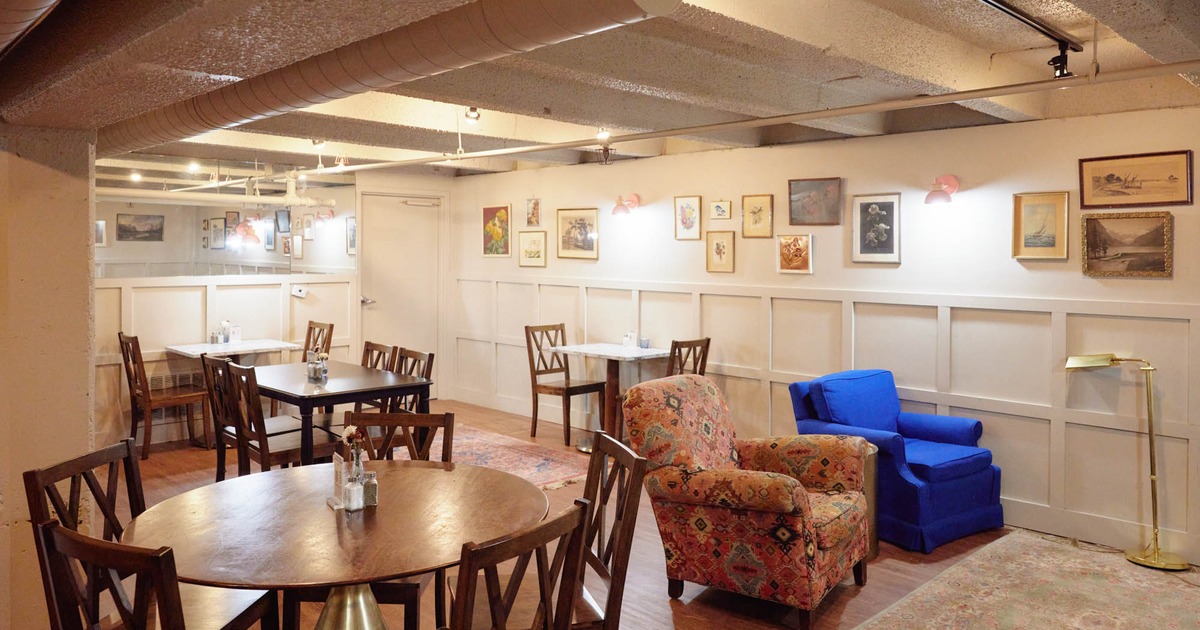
{"points": [[1030, 580], [544, 467]]}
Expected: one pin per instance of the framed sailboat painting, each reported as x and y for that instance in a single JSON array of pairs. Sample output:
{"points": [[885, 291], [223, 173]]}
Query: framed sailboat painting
{"points": [[1040, 225]]}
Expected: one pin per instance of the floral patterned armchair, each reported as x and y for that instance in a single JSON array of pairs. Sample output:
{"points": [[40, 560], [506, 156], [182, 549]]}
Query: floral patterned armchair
{"points": [[781, 519]]}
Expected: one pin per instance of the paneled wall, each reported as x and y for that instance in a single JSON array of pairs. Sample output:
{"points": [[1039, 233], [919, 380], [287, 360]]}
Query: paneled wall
{"points": [[171, 311], [967, 329]]}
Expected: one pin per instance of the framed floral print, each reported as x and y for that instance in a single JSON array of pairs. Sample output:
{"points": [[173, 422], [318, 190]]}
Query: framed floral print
{"points": [[719, 248], [531, 248], [876, 228], [794, 253], [757, 216], [496, 242], [687, 218], [720, 209]]}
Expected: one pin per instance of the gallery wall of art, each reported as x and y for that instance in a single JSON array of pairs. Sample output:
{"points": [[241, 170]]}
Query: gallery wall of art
{"points": [[966, 327]]}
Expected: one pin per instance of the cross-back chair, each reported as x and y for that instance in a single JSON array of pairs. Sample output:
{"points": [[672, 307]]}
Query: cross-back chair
{"points": [[688, 357], [543, 361], [118, 466], [412, 363], [416, 432], [554, 610], [225, 416], [70, 558], [377, 356], [318, 338], [143, 400], [268, 450]]}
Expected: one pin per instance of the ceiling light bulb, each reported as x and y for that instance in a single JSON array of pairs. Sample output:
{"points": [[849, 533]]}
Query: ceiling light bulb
{"points": [[472, 115], [318, 144], [602, 134], [193, 167], [303, 176], [135, 176]]}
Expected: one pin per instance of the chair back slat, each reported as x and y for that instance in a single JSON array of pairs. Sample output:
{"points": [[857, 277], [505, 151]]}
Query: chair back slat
{"points": [[410, 363], [688, 357], [135, 370], [542, 360], [216, 382], [318, 338], [246, 405], [557, 577], [378, 356], [417, 432]]}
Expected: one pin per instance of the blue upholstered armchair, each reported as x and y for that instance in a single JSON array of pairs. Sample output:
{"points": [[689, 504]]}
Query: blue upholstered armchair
{"points": [[935, 483]]}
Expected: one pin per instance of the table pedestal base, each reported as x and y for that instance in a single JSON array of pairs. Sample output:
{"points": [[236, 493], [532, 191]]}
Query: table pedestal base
{"points": [[351, 608]]}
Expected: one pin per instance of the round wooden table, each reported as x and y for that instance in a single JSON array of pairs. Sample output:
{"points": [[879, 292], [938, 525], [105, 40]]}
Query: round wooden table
{"points": [[272, 530]]}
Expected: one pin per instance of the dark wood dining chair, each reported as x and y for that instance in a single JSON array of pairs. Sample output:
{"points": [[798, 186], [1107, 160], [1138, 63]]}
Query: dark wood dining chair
{"points": [[614, 488], [411, 363], [225, 416], [282, 449], [688, 357], [79, 565], [386, 432], [143, 400], [318, 338], [118, 466], [544, 362], [554, 610], [376, 356]]}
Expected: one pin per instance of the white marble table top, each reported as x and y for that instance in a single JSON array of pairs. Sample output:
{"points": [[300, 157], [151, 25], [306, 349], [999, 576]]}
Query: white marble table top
{"points": [[249, 346], [612, 351]]}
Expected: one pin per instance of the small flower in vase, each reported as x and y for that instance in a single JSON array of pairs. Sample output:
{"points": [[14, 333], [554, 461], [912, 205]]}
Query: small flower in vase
{"points": [[322, 358], [354, 438]]}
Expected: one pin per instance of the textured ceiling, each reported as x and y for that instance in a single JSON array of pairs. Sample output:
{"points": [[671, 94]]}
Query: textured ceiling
{"points": [[92, 65]]}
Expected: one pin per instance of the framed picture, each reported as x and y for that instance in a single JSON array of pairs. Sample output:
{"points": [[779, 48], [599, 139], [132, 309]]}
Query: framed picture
{"points": [[757, 219], [1128, 244], [578, 233], [351, 236], [876, 228], [687, 218], [140, 227], [283, 221], [268, 239], [815, 201], [719, 256], [308, 221], [1133, 181], [232, 218], [204, 242], [297, 226], [204, 225], [531, 249], [101, 235], [287, 245], [794, 254], [1040, 225], [533, 212], [722, 209], [496, 240], [297, 246], [217, 233]]}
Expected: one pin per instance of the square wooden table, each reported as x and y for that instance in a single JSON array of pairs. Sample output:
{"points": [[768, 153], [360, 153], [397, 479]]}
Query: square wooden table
{"points": [[233, 350], [345, 383], [614, 354]]}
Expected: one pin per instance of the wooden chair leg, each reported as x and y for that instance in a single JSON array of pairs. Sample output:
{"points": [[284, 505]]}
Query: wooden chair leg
{"points": [[860, 572], [187, 414], [674, 588], [533, 426], [208, 430], [805, 619], [439, 600], [566, 405], [221, 460], [147, 416]]}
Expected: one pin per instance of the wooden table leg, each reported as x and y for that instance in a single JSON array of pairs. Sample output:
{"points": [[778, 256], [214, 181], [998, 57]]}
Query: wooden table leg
{"points": [[306, 437]]}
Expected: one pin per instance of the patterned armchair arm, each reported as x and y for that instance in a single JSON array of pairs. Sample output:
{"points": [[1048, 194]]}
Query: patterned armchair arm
{"points": [[728, 488], [825, 462]]}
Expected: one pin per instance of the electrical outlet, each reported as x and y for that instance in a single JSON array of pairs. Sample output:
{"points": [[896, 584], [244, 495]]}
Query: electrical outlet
{"points": [[300, 292]]}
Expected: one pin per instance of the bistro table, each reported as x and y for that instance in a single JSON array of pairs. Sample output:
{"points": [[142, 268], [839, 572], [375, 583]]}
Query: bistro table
{"points": [[345, 383], [273, 530], [615, 354], [233, 349]]}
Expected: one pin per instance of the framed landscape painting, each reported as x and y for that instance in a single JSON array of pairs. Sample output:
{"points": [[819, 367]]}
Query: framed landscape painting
{"points": [[757, 211], [815, 201], [101, 233], [1128, 245], [531, 248], [140, 227], [687, 218], [578, 233], [1132, 181], [719, 258], [1040, 225], [496, 241], [876, 228], [794, 254]]}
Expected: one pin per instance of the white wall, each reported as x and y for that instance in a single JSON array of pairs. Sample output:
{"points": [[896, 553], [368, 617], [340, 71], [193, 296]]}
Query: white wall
{"points": [[966, 328]]}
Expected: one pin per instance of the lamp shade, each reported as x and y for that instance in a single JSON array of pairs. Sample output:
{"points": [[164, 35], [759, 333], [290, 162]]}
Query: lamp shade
{"points": [[943, 187]]}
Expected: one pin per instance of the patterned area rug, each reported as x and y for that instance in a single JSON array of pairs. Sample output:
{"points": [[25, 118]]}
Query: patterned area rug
{"points": [[544, 467], [1027, 580]]}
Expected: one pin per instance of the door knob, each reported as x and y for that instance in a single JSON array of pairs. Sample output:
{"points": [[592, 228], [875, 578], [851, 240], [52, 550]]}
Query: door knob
{"points": [[364, 300]]}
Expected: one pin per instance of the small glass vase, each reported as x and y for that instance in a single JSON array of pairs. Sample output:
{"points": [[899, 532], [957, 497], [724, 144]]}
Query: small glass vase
{"points": [[356, 465]]}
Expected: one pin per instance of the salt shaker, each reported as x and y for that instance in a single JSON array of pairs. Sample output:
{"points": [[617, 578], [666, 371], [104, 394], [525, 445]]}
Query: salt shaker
{"points": [[352, 495]]}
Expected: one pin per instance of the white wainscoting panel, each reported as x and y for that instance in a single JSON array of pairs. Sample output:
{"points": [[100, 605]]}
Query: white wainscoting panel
{"points": [[516, 308], [610, 314], [1021, 448], [739, 329], [900, 338], [806, 336], [562, 304], [1001, 354], [166, 315], [256, 308], [475, 307], [751, 410], [666, 316], [108, 321]]}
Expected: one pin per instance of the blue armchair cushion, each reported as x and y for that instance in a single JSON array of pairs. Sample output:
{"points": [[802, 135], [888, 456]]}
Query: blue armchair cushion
{"points": [[863, 398], [934, 462]]}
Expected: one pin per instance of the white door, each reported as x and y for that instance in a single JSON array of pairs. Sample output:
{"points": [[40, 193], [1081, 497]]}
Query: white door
{"points": [[398, 248]]}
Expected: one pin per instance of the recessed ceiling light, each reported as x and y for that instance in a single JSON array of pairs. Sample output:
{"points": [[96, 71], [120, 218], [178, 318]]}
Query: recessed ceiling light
{"points": [[135, 176], [193, 167]]}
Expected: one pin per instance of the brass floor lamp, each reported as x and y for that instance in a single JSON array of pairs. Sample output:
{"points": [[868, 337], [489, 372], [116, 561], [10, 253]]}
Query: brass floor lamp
{"points": [[1152, 555]]}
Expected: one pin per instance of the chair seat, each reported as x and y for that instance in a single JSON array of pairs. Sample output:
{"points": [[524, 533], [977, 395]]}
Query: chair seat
{"points": [[206, 607], [936, 461], [286, 446], [836, 516], [569, 386], [274, 425], [180, 395]]}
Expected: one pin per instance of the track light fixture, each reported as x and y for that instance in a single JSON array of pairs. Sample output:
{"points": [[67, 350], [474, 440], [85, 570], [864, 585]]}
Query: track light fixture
{"points": [[472, 115], [1059, 62]]}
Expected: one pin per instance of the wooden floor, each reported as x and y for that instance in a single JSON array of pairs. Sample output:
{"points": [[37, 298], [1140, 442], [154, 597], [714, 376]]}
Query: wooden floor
{"points": [[891, 576]]}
